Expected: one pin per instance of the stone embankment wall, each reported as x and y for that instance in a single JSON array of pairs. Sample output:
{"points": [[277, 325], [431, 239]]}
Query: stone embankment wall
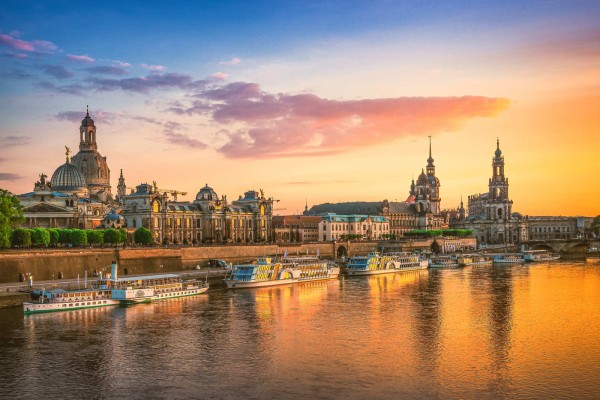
{"points": [[48, 264]]}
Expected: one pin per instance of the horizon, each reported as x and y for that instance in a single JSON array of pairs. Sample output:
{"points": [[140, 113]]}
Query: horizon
{"points": [[317, 103]]}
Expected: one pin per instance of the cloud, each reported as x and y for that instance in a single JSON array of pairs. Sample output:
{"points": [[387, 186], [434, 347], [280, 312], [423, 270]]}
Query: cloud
{"points": [[13, 141], [80, 58], [104, 117], [153, 67], [121, 64], [184, 140], [57, 71], [74, 88], [147, 83], [8, 176], [221, 76], [296, 125], [108, 70], [15, 74], [39, 46], [233, 61]]}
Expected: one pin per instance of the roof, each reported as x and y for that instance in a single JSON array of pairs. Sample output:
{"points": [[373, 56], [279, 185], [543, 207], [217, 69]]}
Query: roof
{"points": [[355, 207], [353, 218], [397, 207]]}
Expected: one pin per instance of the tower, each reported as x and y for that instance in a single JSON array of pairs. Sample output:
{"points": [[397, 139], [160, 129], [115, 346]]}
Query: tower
{"points": [[121, 188], [434, 184], [91, 164], [499, 203]]}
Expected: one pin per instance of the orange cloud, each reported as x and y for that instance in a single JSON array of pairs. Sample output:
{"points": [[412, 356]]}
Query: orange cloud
{"points": [[284, 125]]}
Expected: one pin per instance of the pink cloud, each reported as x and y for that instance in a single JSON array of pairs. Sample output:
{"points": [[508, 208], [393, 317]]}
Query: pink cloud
{"points": [[80, 58], [153, 67], [233, 61], [220, 76], [286, 125], [184, 140], [23, 45]]}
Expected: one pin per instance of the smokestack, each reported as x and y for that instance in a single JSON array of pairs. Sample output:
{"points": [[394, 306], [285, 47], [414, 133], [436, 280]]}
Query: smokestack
{"points": [[113, 271]]}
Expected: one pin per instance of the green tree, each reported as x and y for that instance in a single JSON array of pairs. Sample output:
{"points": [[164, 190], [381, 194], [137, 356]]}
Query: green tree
{"points": [[78, 237], [64, 236], [54, 236], [5, 238], [21, 237], [596, 225], [94, 236], [123, 233], [11, 211], [40, 237], [142, 236], [112, 236]]}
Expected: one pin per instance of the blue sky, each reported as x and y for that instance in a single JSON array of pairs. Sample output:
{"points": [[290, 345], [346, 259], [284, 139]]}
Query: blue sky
{"points": [[255, 86]]}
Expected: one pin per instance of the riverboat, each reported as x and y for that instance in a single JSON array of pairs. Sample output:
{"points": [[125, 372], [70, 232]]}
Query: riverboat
{"points": [[67, 300], [147, 288], [371, 264], [443, 262], [473, 260], [540, 255], [405, 261], [508, 258], [267, 272]]}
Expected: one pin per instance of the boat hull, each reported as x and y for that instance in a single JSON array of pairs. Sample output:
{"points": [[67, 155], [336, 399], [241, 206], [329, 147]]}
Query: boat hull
{"points": [[38, 308], [233, 284]]}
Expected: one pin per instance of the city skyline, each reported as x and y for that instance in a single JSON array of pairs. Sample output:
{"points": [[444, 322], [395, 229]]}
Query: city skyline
{"points": [[310, 102]]}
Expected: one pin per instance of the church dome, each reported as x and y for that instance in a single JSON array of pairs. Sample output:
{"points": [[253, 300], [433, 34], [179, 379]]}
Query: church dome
{"points": [[207, 194], [422, 180], [93, 167], [67, 178]]}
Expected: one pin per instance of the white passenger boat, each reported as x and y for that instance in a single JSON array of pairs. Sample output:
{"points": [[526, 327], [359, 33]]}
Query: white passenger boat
{"points": [[67, 300], [405, 261], [540, 255], [371, 264], [508, 258], [443, 262], [473, 259], [146, 288], [266, 272]]}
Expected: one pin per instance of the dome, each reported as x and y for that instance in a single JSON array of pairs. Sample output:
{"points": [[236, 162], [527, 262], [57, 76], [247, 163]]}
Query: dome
{"points": [[87, 121], [93, 167], [207, 194], [67, 177], [498, 153], [422, 179]]}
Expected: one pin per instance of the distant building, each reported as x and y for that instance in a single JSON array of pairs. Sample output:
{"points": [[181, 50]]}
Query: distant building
{"points": [[369, 227], [490, 214], [208, 219], [296, 228], [550, 228]]}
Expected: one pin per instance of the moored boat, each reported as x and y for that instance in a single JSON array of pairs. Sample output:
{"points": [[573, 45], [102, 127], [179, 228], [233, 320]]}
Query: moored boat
{"points": [[371, 264], [405, 261], [443, 262], [67, 300], [540, 255], [507, 258], [267, 272], [474, 260]]}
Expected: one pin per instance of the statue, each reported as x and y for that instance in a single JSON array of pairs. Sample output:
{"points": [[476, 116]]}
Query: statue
{"points": [[42, 184], [262, 194], [68, 151], [155, 186], [43, 179]]}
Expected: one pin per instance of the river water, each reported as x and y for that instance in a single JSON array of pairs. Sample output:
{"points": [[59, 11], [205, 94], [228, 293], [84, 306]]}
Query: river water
{"points": [[530, 332]]}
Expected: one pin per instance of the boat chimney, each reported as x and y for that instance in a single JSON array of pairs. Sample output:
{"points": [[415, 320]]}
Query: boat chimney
{"points": [[113, 271]]}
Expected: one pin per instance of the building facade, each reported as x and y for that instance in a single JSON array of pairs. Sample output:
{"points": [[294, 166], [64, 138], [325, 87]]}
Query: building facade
{"points": [[368, 227], [208, 219], [490, 214]]}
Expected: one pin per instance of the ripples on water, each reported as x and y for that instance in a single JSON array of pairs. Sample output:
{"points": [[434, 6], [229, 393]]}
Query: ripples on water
{"points": [[491, 332]]}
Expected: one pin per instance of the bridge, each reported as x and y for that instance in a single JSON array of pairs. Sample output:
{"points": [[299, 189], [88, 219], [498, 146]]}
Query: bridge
{"points": [[563, 245]]}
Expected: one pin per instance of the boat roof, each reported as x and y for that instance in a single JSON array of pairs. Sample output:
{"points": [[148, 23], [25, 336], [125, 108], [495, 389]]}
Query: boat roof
{"points": [[143, 277]]}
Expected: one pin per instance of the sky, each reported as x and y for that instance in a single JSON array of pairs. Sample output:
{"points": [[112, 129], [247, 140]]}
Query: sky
{"points": [[311, 101]]}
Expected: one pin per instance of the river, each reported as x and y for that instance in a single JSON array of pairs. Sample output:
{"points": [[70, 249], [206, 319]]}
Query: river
{"points": [[528, 332]]}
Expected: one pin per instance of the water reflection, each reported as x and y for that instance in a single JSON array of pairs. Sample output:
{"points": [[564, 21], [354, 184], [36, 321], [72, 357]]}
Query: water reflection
{"points": [[526, 331]]}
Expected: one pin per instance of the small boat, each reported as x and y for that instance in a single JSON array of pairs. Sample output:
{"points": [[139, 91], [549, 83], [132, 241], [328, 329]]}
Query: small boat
{"points": [[67, 300], [540, 255], [371, 264], [267, 272], [405, 261], [443, 262], [508, 258], [474, 260]]}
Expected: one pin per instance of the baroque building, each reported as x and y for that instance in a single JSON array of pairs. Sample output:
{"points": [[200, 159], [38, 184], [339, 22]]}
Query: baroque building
{"points": [[208, 219], [490, 214], [370, 227]]}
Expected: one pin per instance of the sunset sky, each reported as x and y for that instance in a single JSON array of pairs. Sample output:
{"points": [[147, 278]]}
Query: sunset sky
{"points": [[310, 101]]}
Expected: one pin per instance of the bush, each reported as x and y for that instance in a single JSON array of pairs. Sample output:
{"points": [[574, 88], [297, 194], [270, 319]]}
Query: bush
{"points": [[142, 236], [5, 238], [78, 237], [64, 236], [40, 237], [94, 236], [54, 236], [21, 237], [123, 233], [112, 236]]}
